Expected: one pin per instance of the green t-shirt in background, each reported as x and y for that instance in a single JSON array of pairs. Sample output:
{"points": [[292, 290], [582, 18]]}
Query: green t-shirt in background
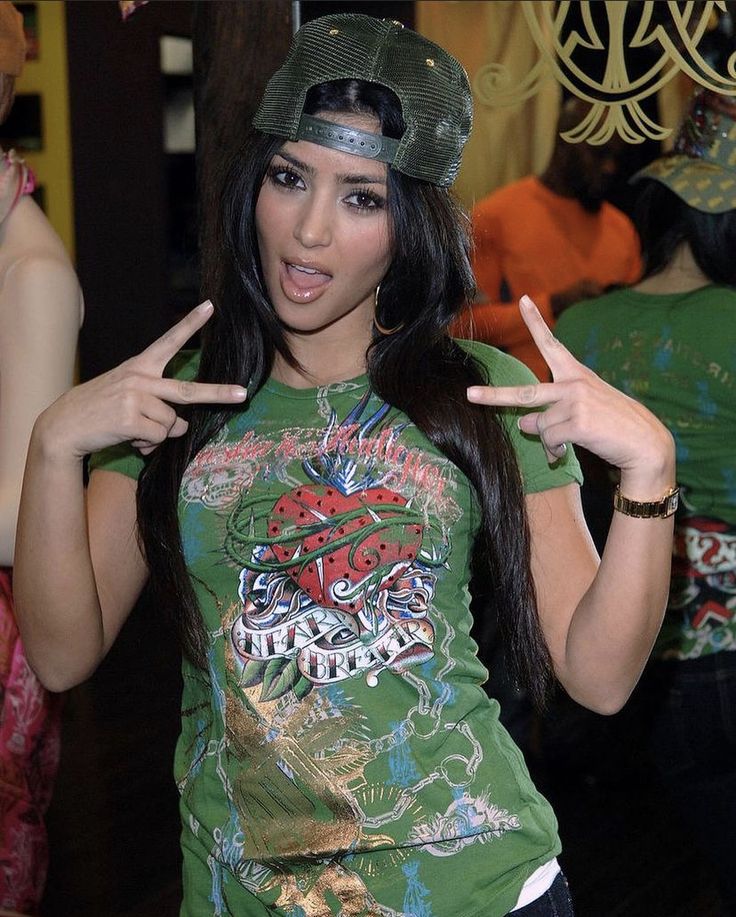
{"points": [[676, 354], [339, 755]]}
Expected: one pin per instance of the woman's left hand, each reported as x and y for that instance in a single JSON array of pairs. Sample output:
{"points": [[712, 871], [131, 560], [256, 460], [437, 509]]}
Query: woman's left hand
{"points": [[581, 408]]}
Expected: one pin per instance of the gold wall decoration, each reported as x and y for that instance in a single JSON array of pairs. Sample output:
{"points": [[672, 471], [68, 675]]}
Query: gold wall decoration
{"points": [[615, 98]]}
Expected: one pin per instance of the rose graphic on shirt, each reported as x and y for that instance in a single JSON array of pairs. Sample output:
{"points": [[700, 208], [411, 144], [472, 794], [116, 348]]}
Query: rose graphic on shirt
{"points": [[337, 574]]}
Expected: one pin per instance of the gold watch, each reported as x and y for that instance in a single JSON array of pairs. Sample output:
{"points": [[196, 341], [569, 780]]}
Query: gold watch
{"points": [[653, 509]]}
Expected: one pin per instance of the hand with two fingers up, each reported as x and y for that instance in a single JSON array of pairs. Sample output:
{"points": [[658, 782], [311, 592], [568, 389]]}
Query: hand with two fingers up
{"points": [[579, 407], [133, 402]]}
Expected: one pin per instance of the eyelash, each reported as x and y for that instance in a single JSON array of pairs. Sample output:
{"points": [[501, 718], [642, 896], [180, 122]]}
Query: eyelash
{"points": [[275, 173]]}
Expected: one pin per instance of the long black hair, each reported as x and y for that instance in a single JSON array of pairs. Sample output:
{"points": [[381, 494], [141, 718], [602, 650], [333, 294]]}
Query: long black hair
{"points": [[419, 369], [664, 221]]}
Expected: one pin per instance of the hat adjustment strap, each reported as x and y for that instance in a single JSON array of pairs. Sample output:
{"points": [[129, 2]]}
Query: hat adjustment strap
{"points": [[347, 139]]}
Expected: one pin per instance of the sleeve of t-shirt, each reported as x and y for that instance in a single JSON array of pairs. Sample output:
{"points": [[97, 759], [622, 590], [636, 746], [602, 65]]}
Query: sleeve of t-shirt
{"points": [[536, 472], [124, 458]]}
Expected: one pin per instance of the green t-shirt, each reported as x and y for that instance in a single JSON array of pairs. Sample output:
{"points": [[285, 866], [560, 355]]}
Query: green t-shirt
{"points": [[340, 756], [676, 353]]}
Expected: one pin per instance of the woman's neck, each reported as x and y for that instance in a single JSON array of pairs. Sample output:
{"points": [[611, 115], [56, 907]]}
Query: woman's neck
{"points": [[296, 377], [681, 275], [329, 355]]}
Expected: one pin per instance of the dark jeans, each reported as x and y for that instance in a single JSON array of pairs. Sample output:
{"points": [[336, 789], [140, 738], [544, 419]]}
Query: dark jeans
{"points": [[555, 902], [694, 748]]}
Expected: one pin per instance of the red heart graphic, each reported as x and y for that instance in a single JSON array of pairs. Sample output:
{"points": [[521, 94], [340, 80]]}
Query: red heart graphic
{"points": [[389, 544]]}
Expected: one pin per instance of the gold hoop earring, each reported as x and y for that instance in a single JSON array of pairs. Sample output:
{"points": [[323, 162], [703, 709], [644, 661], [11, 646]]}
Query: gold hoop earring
{"points": [[379, 327]]}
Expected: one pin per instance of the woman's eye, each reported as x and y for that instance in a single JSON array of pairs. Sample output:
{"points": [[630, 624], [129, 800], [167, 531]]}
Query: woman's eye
{"points": [[285, 178], [365, 200]]}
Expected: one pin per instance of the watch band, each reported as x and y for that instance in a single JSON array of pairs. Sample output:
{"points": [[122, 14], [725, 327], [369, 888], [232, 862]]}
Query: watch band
{"points": [[652, 509]]}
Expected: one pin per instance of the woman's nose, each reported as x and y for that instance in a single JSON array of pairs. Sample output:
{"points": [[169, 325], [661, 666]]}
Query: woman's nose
{"points": [[314, 226]]}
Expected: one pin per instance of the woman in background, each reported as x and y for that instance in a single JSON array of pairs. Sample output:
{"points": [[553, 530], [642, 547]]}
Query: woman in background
{"points": [[670, 342], [40, 315]]}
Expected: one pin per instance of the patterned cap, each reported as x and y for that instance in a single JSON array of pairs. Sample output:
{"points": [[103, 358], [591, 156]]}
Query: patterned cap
{"points": [[702, 167], [432, 86]]}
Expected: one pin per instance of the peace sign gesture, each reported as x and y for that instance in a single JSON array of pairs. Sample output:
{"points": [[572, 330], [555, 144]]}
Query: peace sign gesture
{"points": [[579, 407], [133, 402]]}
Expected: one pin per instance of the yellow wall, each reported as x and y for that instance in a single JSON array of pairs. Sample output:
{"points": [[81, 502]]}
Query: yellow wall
{"points": [[48, 76], [506, 143]]}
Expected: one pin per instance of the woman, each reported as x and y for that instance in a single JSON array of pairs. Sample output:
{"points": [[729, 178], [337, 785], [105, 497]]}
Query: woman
{"points": [[40, 315], [670, 342], [338, 754]]}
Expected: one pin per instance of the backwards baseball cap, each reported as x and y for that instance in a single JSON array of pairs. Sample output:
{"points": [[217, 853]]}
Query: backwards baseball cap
{"points": [[702, 167], [431, 85], [12, 39]]}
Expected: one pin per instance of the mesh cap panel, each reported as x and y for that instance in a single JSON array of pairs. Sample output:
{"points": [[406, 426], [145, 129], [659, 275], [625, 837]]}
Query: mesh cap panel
{"points": [[432, 86]]}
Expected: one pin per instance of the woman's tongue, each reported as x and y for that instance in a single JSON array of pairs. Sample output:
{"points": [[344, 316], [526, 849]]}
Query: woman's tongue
{"points": [[306, 278]]}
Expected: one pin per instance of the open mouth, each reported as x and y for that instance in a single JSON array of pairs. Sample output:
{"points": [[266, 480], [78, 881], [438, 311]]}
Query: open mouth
{"points": [[301, 283]]}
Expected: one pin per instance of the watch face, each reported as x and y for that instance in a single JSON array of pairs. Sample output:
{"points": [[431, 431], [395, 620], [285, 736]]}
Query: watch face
{"points": [[672, 502]]}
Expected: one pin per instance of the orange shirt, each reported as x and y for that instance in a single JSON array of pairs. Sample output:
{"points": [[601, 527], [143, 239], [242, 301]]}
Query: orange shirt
{"points": [[530, 240]]}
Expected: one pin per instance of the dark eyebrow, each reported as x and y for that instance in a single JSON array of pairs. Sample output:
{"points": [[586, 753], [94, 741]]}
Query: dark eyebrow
{"points": [[297, 163], [361, 179], [347, 179]]}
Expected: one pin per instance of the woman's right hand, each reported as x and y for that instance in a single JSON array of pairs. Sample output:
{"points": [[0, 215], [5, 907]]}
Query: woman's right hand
{"points": [[132, 402]]}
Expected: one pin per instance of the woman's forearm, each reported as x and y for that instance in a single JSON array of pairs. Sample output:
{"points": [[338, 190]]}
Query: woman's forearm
{"points": [[616, 623], [57, 605], [79, 568], [614, 627]]}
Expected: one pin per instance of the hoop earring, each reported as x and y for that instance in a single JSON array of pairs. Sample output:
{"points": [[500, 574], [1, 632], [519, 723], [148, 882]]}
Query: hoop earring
{"points": [[379, 327]]}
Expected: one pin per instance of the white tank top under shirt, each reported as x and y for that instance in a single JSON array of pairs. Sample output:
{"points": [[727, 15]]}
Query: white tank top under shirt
{"points": [[538, 883]]}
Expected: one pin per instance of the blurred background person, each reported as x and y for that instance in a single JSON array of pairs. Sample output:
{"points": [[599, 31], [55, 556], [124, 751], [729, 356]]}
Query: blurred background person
{"points": [[556, 238], [553, 237], [670, 342], [40, 315]]}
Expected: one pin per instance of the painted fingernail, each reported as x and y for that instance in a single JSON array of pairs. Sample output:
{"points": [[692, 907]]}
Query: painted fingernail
{"points": [[205, 306]]}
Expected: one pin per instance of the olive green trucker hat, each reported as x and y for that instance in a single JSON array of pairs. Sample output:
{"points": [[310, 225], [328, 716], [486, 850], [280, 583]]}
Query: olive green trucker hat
{"points": [[431, 85]]}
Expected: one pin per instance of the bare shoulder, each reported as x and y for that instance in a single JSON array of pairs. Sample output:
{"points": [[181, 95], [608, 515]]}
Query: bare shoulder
{"points": [[29, 242], [37, 279], [27, 229]]}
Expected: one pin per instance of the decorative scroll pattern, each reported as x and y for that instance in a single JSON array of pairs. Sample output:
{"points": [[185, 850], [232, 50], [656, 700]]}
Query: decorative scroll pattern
{"points": [[615, 99]]}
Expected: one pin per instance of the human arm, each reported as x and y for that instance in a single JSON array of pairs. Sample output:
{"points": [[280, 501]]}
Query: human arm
{"points": [[78, 566], [600, 620], [40, 314]]}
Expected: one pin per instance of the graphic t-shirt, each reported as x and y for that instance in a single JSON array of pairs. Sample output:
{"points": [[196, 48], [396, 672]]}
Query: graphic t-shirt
{"points": [[676, 353], [339, 756]]}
